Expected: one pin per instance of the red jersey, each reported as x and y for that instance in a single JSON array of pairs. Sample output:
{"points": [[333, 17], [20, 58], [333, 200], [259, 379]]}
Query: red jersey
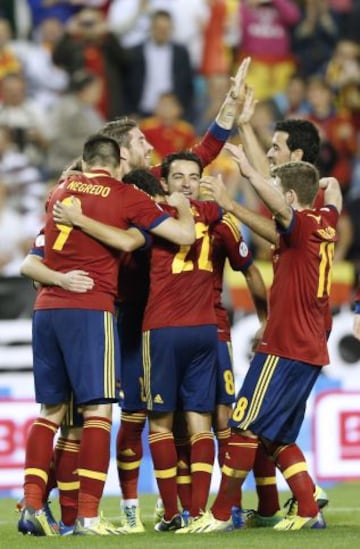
{"points": [[299, 296], [166, 139], [227, 243], [66, 248], [181, 277], [134, 277]]}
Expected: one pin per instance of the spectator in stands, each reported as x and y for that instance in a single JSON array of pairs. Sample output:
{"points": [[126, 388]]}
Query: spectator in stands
{"points": [[166, 130], [336, 129], [45, 80], [264, 35], [315, 36], [25, 117], [9, 61], [159, 65], [292, 102], [131, 20], [61, 9], [73, 119], [89, 44], [24, 182]]}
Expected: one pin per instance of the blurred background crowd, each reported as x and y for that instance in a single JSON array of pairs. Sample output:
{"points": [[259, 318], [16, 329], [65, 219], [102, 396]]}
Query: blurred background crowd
{"points": [[67, 66]]}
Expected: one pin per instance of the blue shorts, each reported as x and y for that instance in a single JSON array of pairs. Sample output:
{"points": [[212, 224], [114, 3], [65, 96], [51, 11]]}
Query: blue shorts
{"points": [[180, 368], [271, 402], [129, 322], [225, 384], [73, 416], [75, 351]]}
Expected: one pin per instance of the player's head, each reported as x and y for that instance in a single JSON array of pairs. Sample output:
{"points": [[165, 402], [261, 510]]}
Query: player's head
{"points": [[134, 147], [297, 178], [182, 172], [294, 139], [144, 180], [100, 151]]}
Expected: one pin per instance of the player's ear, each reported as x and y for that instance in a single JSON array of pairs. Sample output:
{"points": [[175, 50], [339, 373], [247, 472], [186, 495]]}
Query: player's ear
{"points": [[297, 155], [164, 185]]}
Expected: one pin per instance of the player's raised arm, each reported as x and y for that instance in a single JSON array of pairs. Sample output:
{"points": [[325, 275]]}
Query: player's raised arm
{"points": [[269, 191], [250, 142], [332, 192], [264, 227]]}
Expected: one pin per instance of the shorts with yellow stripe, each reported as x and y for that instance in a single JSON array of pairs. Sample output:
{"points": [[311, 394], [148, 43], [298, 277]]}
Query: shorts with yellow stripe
{"points": [[76, 353], [271, 402], [225, 385]]}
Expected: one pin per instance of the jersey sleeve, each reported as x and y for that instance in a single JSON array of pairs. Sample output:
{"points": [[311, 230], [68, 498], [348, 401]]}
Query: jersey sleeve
{"points": [[38, 246], [211, 144], [142, 211], [237, 251]]}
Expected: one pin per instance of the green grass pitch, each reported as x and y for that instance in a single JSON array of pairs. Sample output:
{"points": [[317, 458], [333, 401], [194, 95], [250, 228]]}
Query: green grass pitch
{"points": [[342, 517]]}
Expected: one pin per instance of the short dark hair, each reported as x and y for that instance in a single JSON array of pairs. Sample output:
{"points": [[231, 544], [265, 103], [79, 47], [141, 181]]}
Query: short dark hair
{"points": [[101, 150], [303, 135], [182, 155], [144, 180]]}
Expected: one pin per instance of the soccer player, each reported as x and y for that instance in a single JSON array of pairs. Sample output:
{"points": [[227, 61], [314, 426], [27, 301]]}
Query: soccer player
{"points": [[74, 333], [226, 243], [293, 139], [271, 402]]}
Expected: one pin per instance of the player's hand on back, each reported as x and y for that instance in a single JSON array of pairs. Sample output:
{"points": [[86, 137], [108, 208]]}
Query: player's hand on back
{"points": [[76, 281], [67, 212]]}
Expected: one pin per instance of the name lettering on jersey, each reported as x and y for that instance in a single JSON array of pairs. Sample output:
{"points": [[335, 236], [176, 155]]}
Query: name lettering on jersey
{"points": [[328, 233], [88, 188]]}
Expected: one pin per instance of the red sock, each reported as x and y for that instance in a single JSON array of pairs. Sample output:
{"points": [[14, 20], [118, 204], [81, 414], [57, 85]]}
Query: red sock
{"points": [[51, 483], [163, 454], [93, 464], [39, 447], [183, 478], [129, 452], [292, 464], [239, 460], [223, 437], [265, 478], [202, 461], [66, 462]]}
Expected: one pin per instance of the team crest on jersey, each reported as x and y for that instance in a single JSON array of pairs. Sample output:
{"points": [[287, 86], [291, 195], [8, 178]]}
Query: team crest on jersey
{"points": [[243, 249], [328, 233]]}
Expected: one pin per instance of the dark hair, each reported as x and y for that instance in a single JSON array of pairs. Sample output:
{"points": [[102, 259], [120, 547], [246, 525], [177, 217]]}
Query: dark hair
{"points": [[101, 150], [302, 177], [119, 129], [161, 13], [145, 181], [182, 155], [302, 135]]}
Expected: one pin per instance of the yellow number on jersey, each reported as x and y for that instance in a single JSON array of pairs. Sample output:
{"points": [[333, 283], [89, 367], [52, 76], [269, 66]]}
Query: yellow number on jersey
{"points": [[180, 264], [240, 409], [326, 253], [64, 229]]}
